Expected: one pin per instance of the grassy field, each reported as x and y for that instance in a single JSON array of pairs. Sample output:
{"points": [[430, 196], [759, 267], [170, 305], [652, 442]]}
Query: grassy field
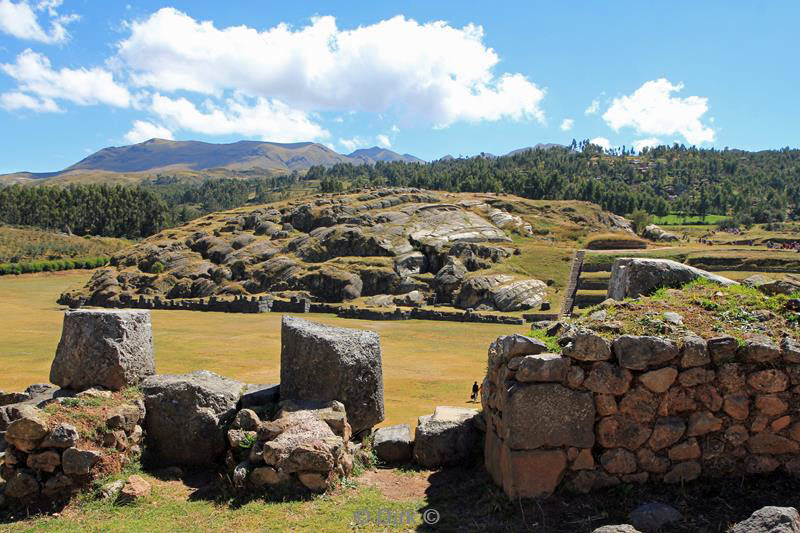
{"points": [[675, 219], [425, 363], [18, 244]]}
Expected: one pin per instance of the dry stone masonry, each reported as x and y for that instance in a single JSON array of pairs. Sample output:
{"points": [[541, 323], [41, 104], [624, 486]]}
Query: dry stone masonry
{"points": [[634, 409]]}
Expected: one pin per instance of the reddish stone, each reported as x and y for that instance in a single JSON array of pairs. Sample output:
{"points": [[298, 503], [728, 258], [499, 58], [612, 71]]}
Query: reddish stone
{"points": [[46, 461], [667, 431], [620, 431], [703, 422], [794, 432], [760, 464], [685, 451], [575, 376], [605, 404], [651, 462], [772, 380], [607, 378], [737, 406], [683, 472], [737, 435], [677, 400], [618, 461], [769, 443], [638, 478], [695, 376], [659, 380], [584, 460], [532, 473], [640, 404], [586, 481], [759, 424], [709, 397], [771, 404], [781, 423], [730, 378]]}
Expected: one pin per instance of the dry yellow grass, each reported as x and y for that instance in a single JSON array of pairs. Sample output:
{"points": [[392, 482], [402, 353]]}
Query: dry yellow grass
{"points": [[425, 363]]}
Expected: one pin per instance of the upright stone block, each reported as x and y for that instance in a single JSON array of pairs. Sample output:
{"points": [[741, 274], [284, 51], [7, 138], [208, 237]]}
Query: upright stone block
{"points": [[106, 348], [323, 363]]}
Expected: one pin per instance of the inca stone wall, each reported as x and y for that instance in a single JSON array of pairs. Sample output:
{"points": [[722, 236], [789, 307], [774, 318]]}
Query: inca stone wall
{"points": [[638, 409]]}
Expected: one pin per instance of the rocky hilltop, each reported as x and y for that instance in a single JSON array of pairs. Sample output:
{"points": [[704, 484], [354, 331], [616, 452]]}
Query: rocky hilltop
{"points": [[384, 247]]}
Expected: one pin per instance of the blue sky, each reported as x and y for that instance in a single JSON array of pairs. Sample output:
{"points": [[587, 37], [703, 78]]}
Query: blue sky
{"points": [[427, 78]]}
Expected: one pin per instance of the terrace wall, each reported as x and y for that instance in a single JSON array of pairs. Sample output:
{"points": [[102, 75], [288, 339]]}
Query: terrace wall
{"points": [[638, 409]]}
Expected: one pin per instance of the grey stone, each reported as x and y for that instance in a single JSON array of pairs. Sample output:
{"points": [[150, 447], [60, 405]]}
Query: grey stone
{"points": [[187, 414], [22, 485], [111, 490], [76, 462], [28, 430], [620, 528], [393, 444], [791, 350], [770, 520], [673, 318], [759, 349], [632, 277], [323, 363], [515, 345], [246, 419], [694, 352], [543, 367], [518, 295], [585, 345], [108, 348], [653, 516], [548, 414], [448, 437], [639, 353], [787, 285], [655, 233]]}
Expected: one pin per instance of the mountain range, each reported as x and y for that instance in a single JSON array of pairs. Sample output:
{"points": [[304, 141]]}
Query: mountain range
{"points": [[197, 159]]}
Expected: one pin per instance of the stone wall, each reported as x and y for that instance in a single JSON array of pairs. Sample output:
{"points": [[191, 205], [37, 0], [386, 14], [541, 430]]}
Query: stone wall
{"points": [[266, 304], [638, 409]]}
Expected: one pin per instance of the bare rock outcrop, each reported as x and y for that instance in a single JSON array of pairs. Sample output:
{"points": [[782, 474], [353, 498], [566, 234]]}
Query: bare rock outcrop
{"points": [[632, 277]]}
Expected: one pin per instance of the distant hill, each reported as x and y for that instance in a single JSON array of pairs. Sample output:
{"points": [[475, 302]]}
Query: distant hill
{"points": [[540, 146], [375, 154], [159, 156]]}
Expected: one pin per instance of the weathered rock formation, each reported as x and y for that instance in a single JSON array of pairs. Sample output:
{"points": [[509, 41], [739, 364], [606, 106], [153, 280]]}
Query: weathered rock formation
{"points": [[323, 363], [631, 277], [450, 436], [655, 233], [112, 349]]}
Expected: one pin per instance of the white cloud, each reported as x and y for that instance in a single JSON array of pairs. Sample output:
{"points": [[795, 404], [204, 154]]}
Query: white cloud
{"points": [[431, 72], [567, 124], [652, 110], [268, 119], [593, 108], [36, 78], [21, 20], [650, 142], [351, 144], [602, 142], [144, 131], [15, 101], [395, 129], [383, 140]]}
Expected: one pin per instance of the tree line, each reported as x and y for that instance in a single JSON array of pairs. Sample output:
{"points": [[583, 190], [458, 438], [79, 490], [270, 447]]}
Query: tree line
{"points": [[132, 211], [761, 186]]}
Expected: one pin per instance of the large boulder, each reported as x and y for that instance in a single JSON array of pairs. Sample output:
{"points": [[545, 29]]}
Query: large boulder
{"points": [[518, 295], [107, 348], [450, 436], [323, 363], [655, 233], [770, 520], [631, 277], [187, 414]]}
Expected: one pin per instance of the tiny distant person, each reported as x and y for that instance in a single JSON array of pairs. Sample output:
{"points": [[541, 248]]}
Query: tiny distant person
{"points": [[475, 390]]}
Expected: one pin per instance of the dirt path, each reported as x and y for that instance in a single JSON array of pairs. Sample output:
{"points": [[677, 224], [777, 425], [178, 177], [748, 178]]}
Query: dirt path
{"points": [[398, 484]]}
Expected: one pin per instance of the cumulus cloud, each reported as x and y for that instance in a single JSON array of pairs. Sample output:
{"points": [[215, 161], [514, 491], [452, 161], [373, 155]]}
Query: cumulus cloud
{"points": [[567, 124], [352, 144], [653, 110], [144, 131], [38, 80], [432, 71], [602, 142], [15, 101], [21, 20], [593, 108], [383, 140], [264, 118], [650, 142]]}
